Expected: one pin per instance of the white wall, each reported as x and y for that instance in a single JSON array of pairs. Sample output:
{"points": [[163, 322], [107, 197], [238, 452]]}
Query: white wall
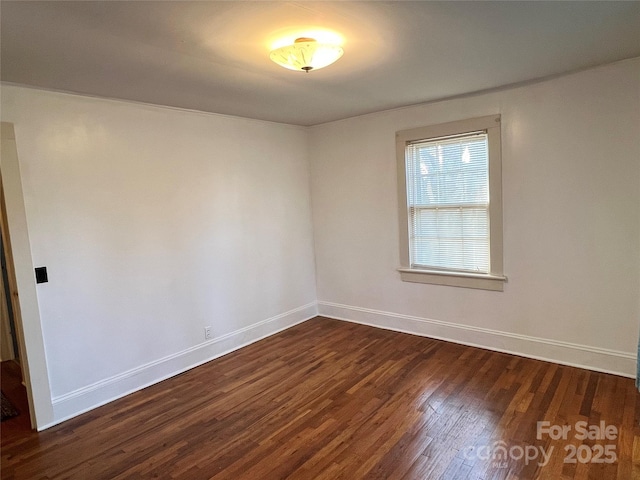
{"points": [[571, 188], [154, 223]]}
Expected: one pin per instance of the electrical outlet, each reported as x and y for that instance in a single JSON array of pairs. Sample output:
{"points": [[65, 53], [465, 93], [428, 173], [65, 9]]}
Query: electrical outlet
{"points": [[207, 333]]}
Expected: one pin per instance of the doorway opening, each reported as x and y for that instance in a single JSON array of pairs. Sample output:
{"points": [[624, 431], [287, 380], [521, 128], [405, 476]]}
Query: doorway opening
{"points": [[9, 348], [16, 416]]}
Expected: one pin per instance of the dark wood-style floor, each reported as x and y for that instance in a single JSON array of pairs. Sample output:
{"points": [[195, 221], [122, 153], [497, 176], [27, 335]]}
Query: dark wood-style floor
{"points": [[331, 400], [16, 393]]}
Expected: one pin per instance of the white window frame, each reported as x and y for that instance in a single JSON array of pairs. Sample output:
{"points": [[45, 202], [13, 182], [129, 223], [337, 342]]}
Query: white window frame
{"points": [[494, 280]]}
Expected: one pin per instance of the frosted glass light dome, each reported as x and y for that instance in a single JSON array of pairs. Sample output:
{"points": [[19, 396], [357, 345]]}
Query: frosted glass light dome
{"points": [[306, 54]]}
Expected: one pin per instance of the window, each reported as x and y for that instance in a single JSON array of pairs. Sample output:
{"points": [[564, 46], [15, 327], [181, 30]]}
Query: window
{"points": [[450, 187]]}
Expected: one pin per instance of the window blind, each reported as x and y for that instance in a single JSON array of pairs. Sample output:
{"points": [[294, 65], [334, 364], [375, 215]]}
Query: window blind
{"points": [[448, 202]]}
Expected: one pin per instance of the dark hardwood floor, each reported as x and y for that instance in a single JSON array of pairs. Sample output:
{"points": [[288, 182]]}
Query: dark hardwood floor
{"points": [[11, 383], [332, 400]]}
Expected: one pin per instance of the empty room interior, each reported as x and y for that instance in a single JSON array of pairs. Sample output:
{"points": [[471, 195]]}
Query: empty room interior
{"points": [[320, 240]]}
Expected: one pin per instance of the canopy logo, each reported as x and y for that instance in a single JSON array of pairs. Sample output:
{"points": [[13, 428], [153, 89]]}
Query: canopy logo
{"points": [[500, 454]]}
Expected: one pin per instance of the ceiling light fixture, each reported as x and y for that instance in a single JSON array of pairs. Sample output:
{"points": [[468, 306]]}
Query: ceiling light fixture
{"points": [[306, 54]]}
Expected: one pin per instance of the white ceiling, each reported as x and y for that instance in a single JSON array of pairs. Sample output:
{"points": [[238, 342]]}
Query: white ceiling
{"points": [[214, 56]]}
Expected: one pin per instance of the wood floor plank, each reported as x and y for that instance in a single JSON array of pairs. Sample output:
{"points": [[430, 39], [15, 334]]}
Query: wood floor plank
{"points": [[329, 400]]}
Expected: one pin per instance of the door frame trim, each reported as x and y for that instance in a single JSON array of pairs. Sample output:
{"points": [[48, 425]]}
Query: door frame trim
{"points": [[21, 274]]}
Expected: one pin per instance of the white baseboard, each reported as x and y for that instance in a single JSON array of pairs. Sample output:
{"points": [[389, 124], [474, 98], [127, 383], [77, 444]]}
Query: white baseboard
{"points": [[92, 396], [565, 353]]}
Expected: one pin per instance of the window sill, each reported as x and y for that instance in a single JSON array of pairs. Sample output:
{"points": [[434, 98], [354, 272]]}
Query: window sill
{"points": [[454, 279]]}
